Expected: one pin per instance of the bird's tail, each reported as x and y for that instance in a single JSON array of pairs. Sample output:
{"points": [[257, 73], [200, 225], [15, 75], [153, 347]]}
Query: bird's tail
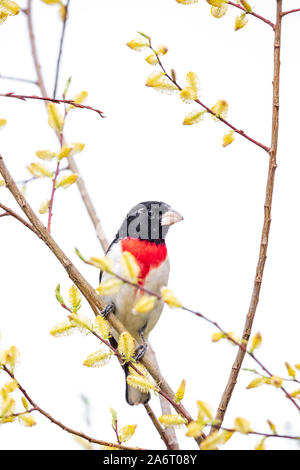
{"points": [[133, 395]]}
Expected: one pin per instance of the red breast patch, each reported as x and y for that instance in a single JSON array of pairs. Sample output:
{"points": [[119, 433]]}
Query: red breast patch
{"points": [[148, 254]]}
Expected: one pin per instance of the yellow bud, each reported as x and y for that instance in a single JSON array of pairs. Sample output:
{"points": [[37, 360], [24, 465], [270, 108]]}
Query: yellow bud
{"points": [[220, 109], [63, 329], [2, 182], [130, 266], [256, 382], [138, 44], [44, 207], [74, 298], [51, 2], [3, 17], [275, 381], [213, 441], [187, 2], [9, 8], [297, 366], [39, 170], [45, 154], [83, 442], [193, 117], [217, 336], [26, 419], [102, 327], [10, 386], [219, 12], [151, 59], [255, 342], [180, 392], [105, 264], [272, 426], [64, 152], [127, 432], [62, 12], [3, 122], [83, 324], [216, 3], [261, 444], [97, 359], [240, 21], [55, 119], [291, 371], [7, 407], [194, 429], [25, 403], [161, 50], [172, 421], [141, 383], [188, 95], [246, 6], [80, 97], [126, 346], [228, 138], [204, 411], [67, 181], [158, 81], [242, 425], [111, 286], [10, 357], [296, 393], [192, 81], [145, 304], [140, 368], [169, 298]]}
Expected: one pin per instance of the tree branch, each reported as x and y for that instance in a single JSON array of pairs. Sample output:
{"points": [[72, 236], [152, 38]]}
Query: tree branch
{"points": [[52, 100], [61, 47], [18, 79], [227, 123], [266, 225], [10, 212], [290, 11], [252, 13], [61, 425]]}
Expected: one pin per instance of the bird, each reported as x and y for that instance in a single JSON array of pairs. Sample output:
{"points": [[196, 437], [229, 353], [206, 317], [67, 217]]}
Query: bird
{"points": [[142, 234]]}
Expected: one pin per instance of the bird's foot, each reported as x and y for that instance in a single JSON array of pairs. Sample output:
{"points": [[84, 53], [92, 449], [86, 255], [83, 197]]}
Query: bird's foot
{"points": [[140, 351], [109, 308]]}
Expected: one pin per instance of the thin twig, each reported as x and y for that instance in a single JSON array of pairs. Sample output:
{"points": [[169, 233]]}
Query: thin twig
{"points": [[18, 79], [209, 110], [284, 13], [61, 425], [256, 433], [61, 47], [10, 212], [265, 20], [52, 100], [34, 50], [266, 226]]}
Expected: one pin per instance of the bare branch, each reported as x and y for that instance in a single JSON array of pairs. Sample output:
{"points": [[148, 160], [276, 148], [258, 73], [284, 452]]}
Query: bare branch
{"points": [[252, 13], [61, 47], [266, 225], [284, 13]]}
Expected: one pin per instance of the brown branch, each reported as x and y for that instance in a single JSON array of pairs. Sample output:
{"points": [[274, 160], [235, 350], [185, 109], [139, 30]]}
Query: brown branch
{"points": [[256, 433], [161, 431], [61, 47], [10, 212], [266, 225], [71, 161], [61, 425], [52, 100], [37, 66], [209, 110], [85, 288], [290, 11], [252, 13]]}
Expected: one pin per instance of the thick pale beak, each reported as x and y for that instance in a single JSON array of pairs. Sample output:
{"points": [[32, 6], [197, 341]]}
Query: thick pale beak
{"points": [[171, 217]]}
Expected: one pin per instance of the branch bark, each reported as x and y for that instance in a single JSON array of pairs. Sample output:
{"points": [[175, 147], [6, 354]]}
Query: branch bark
{"points": [[266, 225]]}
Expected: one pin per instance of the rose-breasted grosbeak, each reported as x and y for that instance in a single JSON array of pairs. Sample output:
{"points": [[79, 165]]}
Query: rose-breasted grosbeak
{"points": [[142, 233]]}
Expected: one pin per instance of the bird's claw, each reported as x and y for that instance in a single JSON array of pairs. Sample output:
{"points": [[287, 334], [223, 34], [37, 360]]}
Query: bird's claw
{"points": [[140, 351], [109, 308]]}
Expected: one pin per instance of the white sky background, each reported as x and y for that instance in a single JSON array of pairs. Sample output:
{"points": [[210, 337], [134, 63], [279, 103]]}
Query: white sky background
{"points": [[141, 152]]}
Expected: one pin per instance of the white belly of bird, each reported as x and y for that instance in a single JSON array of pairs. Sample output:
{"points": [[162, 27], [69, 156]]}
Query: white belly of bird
{"points": [[126, 298]]}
